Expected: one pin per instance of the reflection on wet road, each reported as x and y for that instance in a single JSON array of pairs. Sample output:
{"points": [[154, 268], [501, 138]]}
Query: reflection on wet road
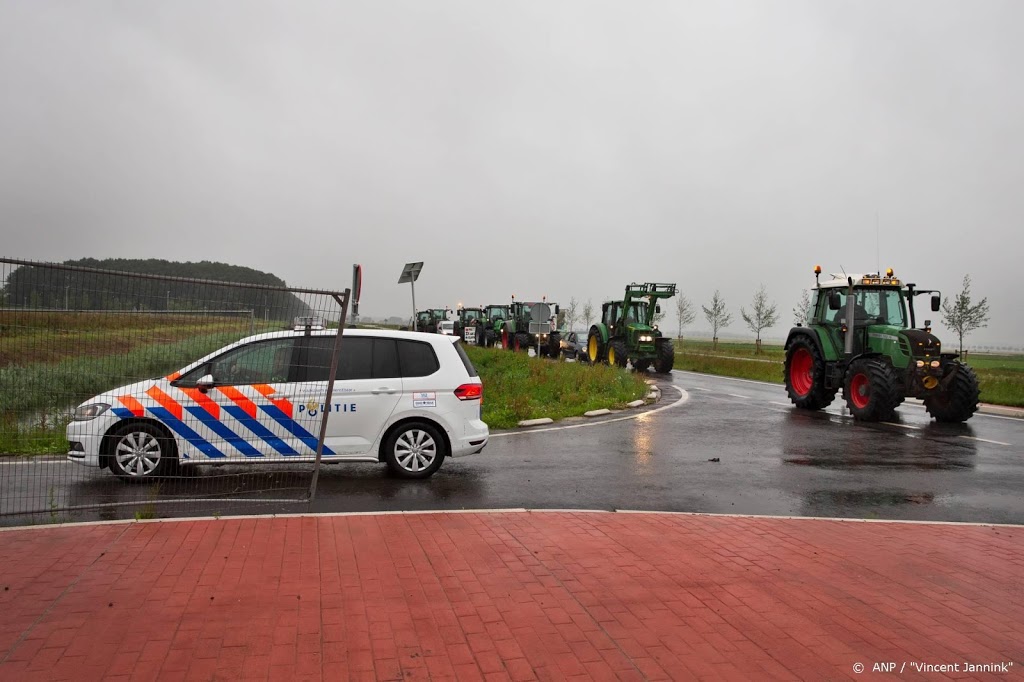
{"points": [[732, 447]]}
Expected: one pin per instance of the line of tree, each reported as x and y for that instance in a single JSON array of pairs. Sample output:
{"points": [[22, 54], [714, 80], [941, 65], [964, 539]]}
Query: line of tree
{"points": [[42, 286]]}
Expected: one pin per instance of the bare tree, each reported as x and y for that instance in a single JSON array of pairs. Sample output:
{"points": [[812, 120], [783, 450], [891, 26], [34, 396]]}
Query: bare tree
{"points": [[762, 315], [570, 313], [802, 311], [717, 316], [684, 313], [962, 317], [588, 313]]}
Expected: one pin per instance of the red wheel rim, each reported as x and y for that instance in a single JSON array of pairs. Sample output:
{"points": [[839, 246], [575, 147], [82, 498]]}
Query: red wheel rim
{"points": [[504, 340], [801, 371], [860, 390], [517, 344]]}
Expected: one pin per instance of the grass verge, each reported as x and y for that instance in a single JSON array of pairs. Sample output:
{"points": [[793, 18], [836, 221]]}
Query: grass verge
{"points": [[1001, 377], [518, 387]]}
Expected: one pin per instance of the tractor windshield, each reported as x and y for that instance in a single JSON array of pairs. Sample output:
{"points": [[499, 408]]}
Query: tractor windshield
{"points": [[637, 312], [879, 306], [471, 314], [496, 311]]}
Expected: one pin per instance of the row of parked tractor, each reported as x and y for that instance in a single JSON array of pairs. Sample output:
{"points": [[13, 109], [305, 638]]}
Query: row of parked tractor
{"points": [[625, 334]]}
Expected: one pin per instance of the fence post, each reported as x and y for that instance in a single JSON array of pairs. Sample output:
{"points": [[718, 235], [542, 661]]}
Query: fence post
{"points": [[343, 302]]}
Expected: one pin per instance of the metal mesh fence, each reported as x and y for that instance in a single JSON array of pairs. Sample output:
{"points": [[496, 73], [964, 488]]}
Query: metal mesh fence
{"points": [[133, 394]]}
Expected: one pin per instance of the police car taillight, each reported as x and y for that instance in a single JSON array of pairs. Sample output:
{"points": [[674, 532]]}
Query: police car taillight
{"points": [[470, 392]]}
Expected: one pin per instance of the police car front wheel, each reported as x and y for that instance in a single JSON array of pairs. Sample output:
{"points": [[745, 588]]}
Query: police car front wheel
{"points": [[141, 451], [414, 450]]}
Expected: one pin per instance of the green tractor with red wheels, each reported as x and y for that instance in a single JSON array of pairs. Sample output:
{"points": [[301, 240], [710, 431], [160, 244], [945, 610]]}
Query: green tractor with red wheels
{"points": [[627, 333], [862, 337]]}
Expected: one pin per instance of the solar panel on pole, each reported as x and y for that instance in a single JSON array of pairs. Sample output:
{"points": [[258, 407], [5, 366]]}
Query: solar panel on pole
{"points": [[410, 273]]}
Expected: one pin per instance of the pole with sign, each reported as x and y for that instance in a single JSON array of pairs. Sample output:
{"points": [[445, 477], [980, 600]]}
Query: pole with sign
{"points": [[410, 273]]}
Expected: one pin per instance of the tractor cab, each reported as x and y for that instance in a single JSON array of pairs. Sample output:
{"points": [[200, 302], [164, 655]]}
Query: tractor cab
{"points": [[876, 313]]}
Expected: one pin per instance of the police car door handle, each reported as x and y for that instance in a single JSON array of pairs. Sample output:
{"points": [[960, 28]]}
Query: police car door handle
{"points": [[385, 389]]}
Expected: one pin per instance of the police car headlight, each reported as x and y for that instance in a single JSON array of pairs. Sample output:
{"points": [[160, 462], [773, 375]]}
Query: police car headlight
{"points": [[84, 413]]}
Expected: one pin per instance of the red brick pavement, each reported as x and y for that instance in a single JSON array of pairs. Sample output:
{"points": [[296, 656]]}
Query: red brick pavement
{"points": [[506, 596]]}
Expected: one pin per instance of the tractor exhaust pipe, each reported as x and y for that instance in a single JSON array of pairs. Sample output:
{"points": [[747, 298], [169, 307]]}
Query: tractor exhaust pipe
{"points": [[849, 318]]}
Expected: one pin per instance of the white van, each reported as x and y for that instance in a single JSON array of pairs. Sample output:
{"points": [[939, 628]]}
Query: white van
{"points": [[404, 398]]}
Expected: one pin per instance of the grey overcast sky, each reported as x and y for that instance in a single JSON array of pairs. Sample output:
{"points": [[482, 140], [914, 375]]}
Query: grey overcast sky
{"points": [[553, 148]]}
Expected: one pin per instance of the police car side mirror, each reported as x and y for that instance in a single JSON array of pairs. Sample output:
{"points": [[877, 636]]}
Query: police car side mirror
{"points": [[205, 382], [935, 303]]}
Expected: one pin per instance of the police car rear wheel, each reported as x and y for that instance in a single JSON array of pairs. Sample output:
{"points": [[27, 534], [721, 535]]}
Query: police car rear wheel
{"points": [[414, 451], [140, 452]]}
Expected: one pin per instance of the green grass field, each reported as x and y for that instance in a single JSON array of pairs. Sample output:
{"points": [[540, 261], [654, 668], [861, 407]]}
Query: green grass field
{"points": [[518, 387], [1001, 377], [50, 362]]}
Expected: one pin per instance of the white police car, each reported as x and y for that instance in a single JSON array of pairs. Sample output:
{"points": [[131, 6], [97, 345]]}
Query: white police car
{"points": [[405, 398]]}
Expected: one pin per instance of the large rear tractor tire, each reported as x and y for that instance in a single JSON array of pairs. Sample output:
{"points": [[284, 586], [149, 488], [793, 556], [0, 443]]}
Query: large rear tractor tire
{"points": [[617, 353], [959, 400], [555, 346], [595, 347], [805, 375], [521, 342], [666, 358], [872, 389]]}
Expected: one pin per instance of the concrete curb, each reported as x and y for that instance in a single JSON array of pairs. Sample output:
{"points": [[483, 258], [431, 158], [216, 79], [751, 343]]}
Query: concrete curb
{"points": [[537, 422], [597, 413]]}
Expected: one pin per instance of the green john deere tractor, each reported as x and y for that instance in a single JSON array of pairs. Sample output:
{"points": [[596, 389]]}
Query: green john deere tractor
{"points": [[426, 321], [494, 321], [862, 336], [470, 326], [627, 333], [532, 324]]}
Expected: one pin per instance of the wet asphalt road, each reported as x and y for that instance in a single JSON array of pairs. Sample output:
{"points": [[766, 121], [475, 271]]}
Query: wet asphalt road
{"points": [[771, 459]]}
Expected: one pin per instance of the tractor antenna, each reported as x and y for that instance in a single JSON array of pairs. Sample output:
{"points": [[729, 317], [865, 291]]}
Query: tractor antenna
{"points": [[878, 259]]}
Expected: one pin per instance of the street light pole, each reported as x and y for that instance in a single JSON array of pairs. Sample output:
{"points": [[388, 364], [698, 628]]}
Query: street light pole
{"points": [[413, 285]]}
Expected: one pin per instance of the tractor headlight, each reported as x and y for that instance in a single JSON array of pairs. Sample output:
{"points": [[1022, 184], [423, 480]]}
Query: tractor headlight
{"points": [[84, 413], [935, 363], [920, 363], [646, 338]]}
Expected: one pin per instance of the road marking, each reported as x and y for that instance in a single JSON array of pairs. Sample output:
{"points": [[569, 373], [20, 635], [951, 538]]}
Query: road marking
{"points": [[735, 395], [38, 462], [903, 426], [909, 401], [985, 440]]}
